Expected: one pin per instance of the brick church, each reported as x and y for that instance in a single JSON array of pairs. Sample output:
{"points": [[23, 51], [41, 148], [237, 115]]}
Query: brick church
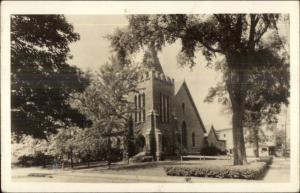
{"points": [[166, 121]]}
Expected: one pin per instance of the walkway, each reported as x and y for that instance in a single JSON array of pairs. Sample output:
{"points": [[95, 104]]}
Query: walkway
{"points": [[279, 171]]}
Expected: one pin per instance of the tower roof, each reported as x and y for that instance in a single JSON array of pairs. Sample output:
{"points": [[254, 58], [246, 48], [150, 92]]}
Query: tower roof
{"points": [[151, 60]]}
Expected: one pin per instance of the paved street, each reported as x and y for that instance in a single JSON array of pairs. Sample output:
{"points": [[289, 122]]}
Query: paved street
{"points": [[278, 172]]}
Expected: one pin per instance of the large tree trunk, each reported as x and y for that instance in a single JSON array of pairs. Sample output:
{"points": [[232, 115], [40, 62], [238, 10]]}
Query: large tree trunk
{"points": [[239, 153], [236, 86]]}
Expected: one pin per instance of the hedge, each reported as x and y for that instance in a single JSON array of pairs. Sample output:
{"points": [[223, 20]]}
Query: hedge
{"points": [[252, 171], [267, 160]]}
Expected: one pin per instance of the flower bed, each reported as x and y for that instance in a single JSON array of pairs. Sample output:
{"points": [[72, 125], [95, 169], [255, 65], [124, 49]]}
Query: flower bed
{"points": [[252, 171]]}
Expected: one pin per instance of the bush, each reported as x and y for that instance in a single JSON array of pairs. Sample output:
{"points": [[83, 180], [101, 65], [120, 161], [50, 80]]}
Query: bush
{"points": [[211, 151], [267, 160], [38, 159], [252, 171]]}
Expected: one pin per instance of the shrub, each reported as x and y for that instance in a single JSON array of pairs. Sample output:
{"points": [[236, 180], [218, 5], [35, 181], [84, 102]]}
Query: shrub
{"points": [[252, 171], [211, 151], [38, 159], [267, 160]]}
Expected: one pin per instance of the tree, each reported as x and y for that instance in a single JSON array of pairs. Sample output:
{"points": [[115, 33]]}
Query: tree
{"points": [[104, 101], [41, 79], [130, 139], [26, 149], [236, 37], [263, 100], [64, 144]]}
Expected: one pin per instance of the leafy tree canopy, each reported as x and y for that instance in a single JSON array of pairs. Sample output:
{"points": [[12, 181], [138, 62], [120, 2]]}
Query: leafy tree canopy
{"points": [[41, 79], [106, 100]]}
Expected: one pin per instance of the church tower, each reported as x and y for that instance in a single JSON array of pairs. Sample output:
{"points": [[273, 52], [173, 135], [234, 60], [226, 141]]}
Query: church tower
{"points": [[154, 104]]}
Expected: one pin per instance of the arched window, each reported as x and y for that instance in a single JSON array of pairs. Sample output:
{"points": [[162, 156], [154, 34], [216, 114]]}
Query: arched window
{"points": [[193, 139], [184, 134], [183, 107]]}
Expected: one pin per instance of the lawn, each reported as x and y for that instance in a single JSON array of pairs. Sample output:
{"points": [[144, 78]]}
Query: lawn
{"points": [[150, 168]]}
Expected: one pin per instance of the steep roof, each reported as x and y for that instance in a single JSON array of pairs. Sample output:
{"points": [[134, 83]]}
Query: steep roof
{"points": [[151, 60], [184, 85], [213, 130]]}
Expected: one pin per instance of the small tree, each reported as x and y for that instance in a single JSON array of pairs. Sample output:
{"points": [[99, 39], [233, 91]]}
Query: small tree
{"points": [[130, 139], [26, 148], [89, 143], [64, 144], [104, 103]]}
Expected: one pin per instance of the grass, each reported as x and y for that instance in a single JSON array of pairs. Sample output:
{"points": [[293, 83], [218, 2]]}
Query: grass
{"points": [[151, 168]]}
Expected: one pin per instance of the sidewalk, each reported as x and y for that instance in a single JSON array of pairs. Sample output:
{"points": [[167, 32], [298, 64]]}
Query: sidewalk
{"points": [[279, 171]]}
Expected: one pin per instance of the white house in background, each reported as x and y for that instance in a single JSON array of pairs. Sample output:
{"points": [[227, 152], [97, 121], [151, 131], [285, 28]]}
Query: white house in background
{"points": [[265, 149]]}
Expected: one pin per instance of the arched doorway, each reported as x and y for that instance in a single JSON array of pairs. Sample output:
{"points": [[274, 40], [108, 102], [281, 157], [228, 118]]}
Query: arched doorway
{"points": [[140, 143]]}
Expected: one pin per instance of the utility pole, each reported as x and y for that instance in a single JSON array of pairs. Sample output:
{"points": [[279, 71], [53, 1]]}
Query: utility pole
{"points": [[284, 145], [285, 132]]}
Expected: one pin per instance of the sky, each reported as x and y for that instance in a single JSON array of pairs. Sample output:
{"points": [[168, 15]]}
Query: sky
{"points": [[93, 50]]}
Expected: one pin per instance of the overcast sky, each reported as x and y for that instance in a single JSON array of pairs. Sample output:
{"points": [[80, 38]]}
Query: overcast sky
{"points": [[93, 50]]}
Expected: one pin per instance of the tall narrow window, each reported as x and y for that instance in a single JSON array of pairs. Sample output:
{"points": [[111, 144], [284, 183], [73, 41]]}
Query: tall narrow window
{"points": [[168, 112], [144, 107], [161, 108], [165, 108], [183, 107], [136, 108], [139, 108], [184, 134], [193, 139]]}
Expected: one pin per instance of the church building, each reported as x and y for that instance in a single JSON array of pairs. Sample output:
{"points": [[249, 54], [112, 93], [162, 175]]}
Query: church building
{"points": [[166, 122]]}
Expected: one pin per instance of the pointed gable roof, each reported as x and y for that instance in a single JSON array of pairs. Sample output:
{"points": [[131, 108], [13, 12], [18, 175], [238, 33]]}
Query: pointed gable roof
{"points": [[184, 86], [151, 60], [212, 130]]}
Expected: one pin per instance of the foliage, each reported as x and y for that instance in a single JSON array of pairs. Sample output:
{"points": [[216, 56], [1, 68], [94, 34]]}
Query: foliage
{"points": [[28, 151], [252, 171], [41, 79], [211, 151], [104, 101], [130, 138], [267, 160], [65, 144], [280, 135]]}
